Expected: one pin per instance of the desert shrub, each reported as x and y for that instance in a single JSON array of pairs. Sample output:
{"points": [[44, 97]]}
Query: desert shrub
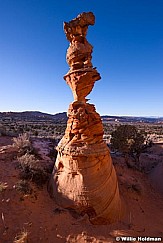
{"points": [[129, 141], [24, 187], [135, 187], [24, 145], [3, 186], [35, 132], [59, 210], [31, 169], [22, 237], [2, 130], [22, 142]]}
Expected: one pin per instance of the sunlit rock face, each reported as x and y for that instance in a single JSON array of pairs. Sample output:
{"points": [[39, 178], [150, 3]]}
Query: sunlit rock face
{"points": [[84, 177]]}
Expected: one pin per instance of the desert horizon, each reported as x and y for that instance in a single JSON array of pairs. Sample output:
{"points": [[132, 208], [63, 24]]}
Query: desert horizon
{"points": [[62, 112]]}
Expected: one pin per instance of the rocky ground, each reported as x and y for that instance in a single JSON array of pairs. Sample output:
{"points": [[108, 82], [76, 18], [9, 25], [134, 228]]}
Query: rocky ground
{"points": [[28, 210]]}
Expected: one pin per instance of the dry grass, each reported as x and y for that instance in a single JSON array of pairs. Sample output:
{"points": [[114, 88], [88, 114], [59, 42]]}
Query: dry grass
{"points": [[28, 161], [22, 237], [3, 186], [31, 169], [22, 142]]}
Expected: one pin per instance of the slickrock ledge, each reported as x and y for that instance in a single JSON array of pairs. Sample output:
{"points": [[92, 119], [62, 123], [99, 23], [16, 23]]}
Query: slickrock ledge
{"points": [[84, 178]]}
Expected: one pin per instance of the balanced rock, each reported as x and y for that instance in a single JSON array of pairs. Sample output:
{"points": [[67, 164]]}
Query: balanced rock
{"points": [[84, 178]]}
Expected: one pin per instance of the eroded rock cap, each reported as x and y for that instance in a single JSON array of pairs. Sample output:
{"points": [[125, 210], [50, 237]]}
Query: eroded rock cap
{"points": [[79, 25]]}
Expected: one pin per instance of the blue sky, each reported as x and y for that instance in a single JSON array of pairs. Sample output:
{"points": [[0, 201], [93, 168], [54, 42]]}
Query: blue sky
{"points": [[128, 53]]}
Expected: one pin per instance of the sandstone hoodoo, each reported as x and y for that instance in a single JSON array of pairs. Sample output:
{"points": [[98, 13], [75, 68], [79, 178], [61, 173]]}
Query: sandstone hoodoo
{"points": [[84, 178]]}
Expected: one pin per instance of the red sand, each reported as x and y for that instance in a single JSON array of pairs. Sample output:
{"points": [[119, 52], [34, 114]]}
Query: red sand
{"points": [[143, 214]]}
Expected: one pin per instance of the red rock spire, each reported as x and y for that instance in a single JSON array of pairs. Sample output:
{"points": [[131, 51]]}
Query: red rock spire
{"points": [[83, 177]]}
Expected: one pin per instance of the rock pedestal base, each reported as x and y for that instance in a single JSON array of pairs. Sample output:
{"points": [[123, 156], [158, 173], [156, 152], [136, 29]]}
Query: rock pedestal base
{"points": [[84, 178]]}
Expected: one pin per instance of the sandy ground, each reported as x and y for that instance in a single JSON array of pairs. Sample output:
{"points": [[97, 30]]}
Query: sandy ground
{"points": [[45, 222]]}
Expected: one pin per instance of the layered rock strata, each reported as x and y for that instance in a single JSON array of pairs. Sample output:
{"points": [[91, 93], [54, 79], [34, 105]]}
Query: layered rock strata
{"points": [[83, 177]]}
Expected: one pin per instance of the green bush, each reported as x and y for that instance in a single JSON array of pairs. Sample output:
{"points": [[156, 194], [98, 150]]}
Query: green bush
{"points": [[129, 141]]}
